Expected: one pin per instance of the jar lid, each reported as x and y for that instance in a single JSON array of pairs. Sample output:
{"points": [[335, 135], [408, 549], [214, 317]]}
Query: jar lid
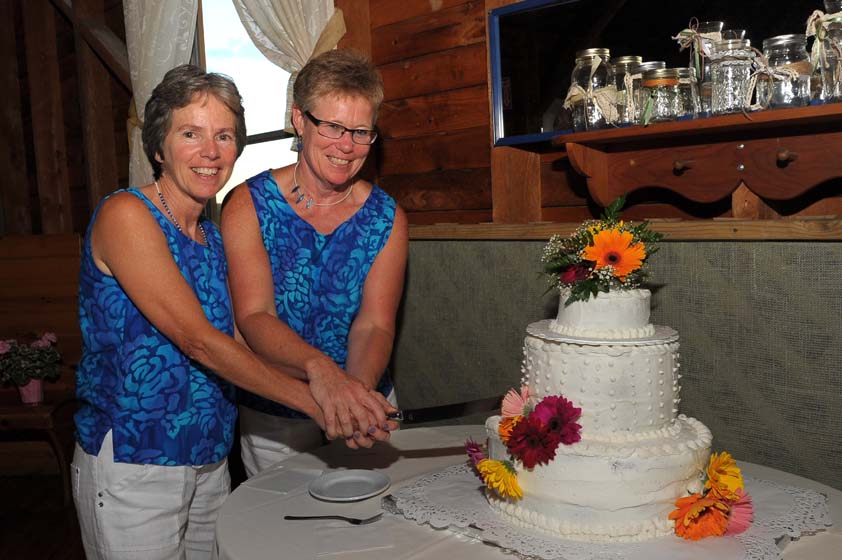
{"points": [[626, 60], [783, 40], [652, 65], [731, 45], [590, 53], [685, 72], [661, 74]]}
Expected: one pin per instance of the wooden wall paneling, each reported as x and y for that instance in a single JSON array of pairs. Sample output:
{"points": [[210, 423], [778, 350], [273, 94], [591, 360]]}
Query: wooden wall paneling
{"points": [[455, 150], [453, 189], [15, 214], [453, 217], [515, 185], [39, 20], [561, 185], [357, 25], [451, 69], [97, 125], [385, 12], [452, 27], [434, 113]]}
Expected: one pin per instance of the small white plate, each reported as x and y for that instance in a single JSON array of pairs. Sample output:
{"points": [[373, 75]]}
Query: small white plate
{"points": [[348, 485]]}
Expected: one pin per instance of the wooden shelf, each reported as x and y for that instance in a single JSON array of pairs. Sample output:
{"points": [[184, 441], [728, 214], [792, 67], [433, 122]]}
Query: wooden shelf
{"points": [[773, 155], [742, 124], [815, 229]]}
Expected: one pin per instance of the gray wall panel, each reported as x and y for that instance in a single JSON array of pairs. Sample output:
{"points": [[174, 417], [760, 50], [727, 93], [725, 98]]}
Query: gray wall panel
{"points": [[759, 325]]}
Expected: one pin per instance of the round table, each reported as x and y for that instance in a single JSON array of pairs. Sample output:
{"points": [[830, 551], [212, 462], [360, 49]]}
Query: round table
{"points": [[251, 524]]}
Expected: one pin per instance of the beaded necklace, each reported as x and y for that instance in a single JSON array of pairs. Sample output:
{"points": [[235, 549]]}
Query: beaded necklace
{"points": [[174, 221]]}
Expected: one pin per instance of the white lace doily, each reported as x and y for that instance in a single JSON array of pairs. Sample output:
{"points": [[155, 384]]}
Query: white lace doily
{"points": [[455, 499]]}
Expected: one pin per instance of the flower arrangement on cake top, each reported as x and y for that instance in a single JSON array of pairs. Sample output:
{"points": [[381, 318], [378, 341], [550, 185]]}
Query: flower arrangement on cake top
{"points": [[600, 255], [724, 508], [531, 435]]}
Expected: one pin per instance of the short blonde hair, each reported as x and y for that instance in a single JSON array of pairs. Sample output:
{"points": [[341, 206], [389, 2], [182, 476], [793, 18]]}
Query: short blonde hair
{"points": [[338, 72]]}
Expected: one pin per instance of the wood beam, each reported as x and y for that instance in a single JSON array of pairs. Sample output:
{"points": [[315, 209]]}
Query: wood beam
{"points": [[96, 105], [515, 185], [47, 117], [15, 210], [357, 25], [108, 46]]}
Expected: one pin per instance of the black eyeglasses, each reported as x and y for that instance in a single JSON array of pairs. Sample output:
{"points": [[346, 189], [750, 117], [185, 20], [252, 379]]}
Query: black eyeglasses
{"points": [[335, 131]]}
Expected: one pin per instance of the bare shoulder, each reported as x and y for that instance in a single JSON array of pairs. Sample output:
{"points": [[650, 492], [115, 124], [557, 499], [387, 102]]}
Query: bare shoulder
{"points": [[236, 200], [123, 211]]}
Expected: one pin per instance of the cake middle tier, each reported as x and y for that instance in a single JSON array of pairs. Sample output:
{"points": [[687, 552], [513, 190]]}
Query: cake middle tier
{"points": [[626, 392]]}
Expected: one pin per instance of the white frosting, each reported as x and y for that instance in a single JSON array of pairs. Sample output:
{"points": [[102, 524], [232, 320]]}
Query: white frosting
{"points": [[625, 391], [636, 455], [618, 314], [611, 492]]}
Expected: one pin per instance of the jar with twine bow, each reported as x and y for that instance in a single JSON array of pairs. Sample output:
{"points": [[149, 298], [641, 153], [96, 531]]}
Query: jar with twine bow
{"points": [[783, 75], [731, 64], [592, 97], [826, 53], [700, 38], [623, 71]]}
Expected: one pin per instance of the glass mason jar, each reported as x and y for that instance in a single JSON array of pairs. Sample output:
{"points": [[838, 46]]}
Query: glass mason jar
{"points": [[624, 66], [594, 74], [730, 74], [661, 95], [637, 72], [688, 90], [788, 52], [831, 61], [711, 33]]}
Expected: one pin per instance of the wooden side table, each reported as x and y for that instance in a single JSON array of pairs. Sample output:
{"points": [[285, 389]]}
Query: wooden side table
{"points": [[51, 421]]}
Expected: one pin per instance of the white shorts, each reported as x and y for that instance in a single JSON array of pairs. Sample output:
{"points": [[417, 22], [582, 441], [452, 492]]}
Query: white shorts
{"points": [[146, 512], [266, 439]]}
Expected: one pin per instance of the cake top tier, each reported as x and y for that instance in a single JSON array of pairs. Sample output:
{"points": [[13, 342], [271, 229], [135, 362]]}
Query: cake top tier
{"points": [[621, 314], [600, 256]]}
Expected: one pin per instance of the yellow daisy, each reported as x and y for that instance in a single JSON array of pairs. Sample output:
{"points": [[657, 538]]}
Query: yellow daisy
{"points": [[724, 476], [501, 477]]}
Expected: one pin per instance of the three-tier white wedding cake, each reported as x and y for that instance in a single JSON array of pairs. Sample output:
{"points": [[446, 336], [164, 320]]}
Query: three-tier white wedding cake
{"points": [[636, 455]]}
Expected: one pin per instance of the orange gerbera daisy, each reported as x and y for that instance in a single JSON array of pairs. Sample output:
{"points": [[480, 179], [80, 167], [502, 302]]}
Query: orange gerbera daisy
{"points": [[507, 424], [612, 247], [698, 517]]}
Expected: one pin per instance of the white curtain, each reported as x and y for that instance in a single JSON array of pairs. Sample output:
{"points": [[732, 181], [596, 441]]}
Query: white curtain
{"points": [[159, 37], [290, 32]]}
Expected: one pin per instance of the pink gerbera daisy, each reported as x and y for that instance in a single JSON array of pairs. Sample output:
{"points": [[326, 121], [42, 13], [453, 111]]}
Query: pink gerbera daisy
{"points": [[742, 514], [514, 403]]}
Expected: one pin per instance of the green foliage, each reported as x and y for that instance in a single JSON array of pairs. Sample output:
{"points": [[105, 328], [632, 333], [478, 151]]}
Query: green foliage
{"points": [[580, 279], [20, 363]]}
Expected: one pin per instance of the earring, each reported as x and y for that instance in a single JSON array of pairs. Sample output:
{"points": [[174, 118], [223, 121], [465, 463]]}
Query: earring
{"points": [[299, 143]]}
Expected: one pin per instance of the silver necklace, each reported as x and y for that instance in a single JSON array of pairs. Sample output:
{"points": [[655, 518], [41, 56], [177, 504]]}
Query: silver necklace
{"points": [[296, 188], [174, 221]]}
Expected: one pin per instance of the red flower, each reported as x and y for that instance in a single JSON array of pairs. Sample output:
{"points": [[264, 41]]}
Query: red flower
{"points": [[557, 415], [576, 272], [532, 443]]}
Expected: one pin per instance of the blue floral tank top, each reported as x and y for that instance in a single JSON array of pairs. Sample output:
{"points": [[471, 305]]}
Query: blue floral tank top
{"points": [[318, 278], [162, 407]]}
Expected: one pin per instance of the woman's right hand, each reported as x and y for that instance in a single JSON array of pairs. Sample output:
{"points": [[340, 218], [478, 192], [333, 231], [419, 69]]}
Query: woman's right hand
{"points": [[348, 405]]}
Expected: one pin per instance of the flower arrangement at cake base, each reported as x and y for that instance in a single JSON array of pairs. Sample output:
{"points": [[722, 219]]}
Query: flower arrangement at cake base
{"points": [[532, 436]]}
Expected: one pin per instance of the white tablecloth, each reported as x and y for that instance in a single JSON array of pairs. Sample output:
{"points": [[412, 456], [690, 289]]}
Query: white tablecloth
{"points": [[251, 524]]}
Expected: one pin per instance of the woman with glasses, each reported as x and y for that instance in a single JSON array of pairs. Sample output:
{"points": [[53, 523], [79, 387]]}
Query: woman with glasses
{"points": [[316, 265]]}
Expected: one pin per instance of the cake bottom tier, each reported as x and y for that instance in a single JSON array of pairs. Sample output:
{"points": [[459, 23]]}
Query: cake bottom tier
{"points": [[608, 491]]}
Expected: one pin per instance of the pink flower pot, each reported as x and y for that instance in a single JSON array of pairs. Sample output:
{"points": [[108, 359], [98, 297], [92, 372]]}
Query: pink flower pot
{"points": [[32, 392]]}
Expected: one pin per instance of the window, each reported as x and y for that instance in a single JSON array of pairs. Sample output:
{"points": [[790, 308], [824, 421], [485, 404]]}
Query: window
{"points": [[229, 50]]}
